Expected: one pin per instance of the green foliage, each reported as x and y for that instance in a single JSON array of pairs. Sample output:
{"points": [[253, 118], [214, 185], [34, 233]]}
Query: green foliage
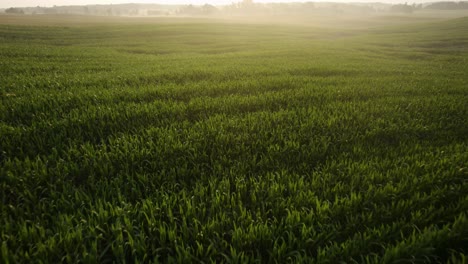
{"points": [[228, 142]]}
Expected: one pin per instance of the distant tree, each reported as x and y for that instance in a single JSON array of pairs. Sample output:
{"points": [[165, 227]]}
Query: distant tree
{"points": [[13, 10], [189, 10], [208, 9], [402, 8]]}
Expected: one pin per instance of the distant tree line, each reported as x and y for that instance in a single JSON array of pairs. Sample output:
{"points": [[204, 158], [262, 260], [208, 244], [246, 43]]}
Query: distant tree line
{"points": [[249, 7], [198, 10], [448, 5], [405, 8], [99, 10], [13, 10], [243, 8]]}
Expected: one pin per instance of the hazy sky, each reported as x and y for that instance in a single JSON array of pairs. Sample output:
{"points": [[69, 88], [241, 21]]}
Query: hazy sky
{"points": [[23, 3]]}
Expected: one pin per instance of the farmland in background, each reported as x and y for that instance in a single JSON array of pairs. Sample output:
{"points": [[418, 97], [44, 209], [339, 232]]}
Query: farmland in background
{"points": [[228, 140]]}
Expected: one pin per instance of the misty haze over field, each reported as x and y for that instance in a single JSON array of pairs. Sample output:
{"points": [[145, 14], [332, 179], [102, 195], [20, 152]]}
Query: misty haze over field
{"points": [[50, 3], [223, 8]]}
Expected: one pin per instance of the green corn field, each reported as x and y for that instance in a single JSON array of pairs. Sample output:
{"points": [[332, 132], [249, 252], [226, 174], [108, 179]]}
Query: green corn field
{"points": [[184, 140]]}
